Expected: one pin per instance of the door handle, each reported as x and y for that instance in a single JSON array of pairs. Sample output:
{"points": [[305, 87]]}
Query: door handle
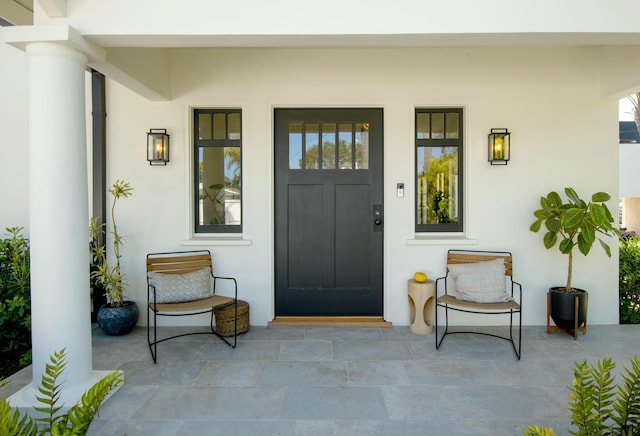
{"points": [[377, 218]]}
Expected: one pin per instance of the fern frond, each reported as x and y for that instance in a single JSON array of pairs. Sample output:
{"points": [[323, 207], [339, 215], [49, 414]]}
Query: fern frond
{"points": [[534, 430], [11, 423], [83, 412], [627, 405], [50, 388]]}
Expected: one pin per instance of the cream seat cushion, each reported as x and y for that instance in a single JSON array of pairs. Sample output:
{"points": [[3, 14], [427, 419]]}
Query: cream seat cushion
{"points": [[480, 282], [179, 288]]}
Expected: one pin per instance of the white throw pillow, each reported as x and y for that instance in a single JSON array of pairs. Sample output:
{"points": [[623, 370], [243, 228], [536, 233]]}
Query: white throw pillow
{"points": [[481, 282], [178, 288]]}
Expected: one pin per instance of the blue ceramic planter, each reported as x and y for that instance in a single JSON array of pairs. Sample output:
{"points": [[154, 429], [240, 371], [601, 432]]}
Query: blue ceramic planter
{"points": [[117, 321]]}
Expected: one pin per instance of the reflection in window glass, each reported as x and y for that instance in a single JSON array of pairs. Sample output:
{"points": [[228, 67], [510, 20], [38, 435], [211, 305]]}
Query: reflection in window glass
{"points": [[345, 143], [422, 126], [204, 126], [219, 181], [295, 146], [437, 125], [437, 185], [233, 121], [362, 146], [329, 146], [219, 126], [312, 146], [452, 125]]}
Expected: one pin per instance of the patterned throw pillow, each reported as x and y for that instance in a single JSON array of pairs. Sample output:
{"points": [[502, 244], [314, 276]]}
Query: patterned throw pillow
{"points": [[481, 282], [178, 288]]}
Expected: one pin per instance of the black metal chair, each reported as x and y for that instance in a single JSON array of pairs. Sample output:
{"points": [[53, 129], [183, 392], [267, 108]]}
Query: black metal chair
{"points": [[448, 301], [164, 267]]}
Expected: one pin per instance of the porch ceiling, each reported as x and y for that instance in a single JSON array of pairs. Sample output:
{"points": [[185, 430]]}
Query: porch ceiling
{"points": [[377, 40]]}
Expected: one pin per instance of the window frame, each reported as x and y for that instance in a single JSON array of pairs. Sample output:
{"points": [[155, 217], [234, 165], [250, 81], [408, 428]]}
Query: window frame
{"points": [[200, 229], [444, 142]]}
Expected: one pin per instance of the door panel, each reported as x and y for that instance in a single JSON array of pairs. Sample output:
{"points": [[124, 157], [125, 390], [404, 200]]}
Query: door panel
{"points": [[328, 184]]}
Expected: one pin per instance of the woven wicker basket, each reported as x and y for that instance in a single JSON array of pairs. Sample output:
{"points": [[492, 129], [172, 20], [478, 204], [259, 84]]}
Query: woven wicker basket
{"points": [[224, 318]]}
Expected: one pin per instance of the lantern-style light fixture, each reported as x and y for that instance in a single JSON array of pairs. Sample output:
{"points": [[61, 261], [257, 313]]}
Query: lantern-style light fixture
{"points": [[157, 147], [499, 146]]}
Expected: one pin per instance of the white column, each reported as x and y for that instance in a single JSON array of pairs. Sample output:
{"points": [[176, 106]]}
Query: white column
{"points": [[58, 211]]}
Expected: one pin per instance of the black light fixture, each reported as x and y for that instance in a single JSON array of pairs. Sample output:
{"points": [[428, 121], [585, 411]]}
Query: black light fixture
{"points": [[499, 146], [157, 147]]}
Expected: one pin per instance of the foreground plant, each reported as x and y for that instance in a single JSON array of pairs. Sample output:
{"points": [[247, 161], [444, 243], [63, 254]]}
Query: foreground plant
{"points": [[15, 302], [597, 405], [75, 422]]}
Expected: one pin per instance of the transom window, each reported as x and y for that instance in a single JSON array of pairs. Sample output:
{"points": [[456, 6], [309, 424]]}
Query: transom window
{"points": [[328, 146], [438, 139], [218, 170]]}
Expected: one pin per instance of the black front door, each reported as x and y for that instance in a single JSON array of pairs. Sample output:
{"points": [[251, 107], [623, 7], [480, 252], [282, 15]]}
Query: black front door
{"points": [[328, 212]]}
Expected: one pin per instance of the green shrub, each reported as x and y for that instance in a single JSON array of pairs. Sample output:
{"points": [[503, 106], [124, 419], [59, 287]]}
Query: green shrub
{"points": [[629, 280], [15, 302], [75, 421], [597, 405]]}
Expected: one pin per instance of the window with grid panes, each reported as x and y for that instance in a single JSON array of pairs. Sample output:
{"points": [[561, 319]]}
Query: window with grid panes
{"points": [[439, 148], [218, 170]]}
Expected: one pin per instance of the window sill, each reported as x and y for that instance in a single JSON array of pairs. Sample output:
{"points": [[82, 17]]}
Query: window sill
{"points": [[216, 239], [441, 239]]}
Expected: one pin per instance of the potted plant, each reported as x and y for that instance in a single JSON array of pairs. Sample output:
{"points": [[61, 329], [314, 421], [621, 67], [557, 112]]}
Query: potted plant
{"points": [[117, 316], [573, 223]]}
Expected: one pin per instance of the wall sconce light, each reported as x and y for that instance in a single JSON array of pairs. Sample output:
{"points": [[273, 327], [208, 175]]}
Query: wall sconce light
{"points": [[157, 147], [499, 146]]}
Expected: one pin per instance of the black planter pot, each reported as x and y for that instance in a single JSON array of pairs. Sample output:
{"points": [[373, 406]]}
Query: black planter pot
{"points": [[563, 307], [117, 321]]}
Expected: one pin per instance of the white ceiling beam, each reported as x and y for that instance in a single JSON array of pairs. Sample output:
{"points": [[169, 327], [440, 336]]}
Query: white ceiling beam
{"points": [[15, 13], [54, 8]]}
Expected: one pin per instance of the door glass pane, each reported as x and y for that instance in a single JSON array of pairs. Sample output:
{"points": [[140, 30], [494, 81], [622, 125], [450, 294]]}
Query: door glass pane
{"points": [[295, 146], [362, 146], [312, 141], [234, 126], [219, 182], [345, 150], [329, 146], [219, 126], [422, 126], [437, 185], [452, 125], [204, 126], [437, 126]]}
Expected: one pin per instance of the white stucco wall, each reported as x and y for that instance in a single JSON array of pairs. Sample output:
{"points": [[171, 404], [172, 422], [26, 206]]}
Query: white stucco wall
{"points": [[14, 176], [549, 98]]}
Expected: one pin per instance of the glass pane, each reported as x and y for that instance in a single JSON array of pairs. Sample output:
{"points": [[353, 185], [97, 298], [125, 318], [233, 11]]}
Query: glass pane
{"points": [[437, 184], [295, 146], [362, 146], [219, 181], [329, 146], [204, 126], [422, 126], [452, 125], [234, 126], [437, 126], [345, 150], [312, 141], [219, 126]]}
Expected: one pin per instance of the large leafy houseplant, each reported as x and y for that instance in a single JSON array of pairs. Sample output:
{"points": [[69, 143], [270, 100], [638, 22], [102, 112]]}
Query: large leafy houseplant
{"points": [[109, 277], [574, 223]]}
